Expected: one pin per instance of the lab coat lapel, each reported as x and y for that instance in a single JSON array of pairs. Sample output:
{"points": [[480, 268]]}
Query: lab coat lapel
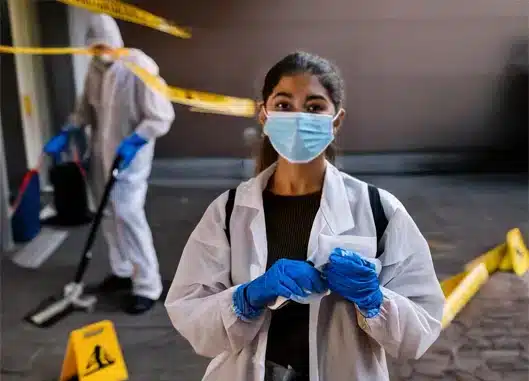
{"points": [[336, 203], [334, 216], [250, 195]]}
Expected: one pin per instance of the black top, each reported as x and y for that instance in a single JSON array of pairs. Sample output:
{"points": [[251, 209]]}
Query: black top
{"points": [[289, 222]]}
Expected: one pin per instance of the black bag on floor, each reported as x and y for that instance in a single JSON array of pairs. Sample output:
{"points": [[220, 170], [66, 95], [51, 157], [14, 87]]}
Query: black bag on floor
{"points": [[68, 177], [70, 195]]}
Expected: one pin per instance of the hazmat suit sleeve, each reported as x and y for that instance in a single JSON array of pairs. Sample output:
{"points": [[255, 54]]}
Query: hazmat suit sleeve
{"points": [[199, 302], [82, 115], [157, 112], [411, 311]]}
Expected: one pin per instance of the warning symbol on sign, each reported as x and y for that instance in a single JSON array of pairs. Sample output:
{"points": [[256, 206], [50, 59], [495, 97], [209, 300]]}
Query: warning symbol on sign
{"points": [[99, 360], [94, 354]]}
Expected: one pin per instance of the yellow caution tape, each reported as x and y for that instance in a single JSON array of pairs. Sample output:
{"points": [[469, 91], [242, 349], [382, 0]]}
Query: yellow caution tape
{"points": [[506, 263], [448, 285], [55, 51], [491, 259], [130, 13], [198, 100], [463, 292], [205, 111], [460, 288], [518, 252]]}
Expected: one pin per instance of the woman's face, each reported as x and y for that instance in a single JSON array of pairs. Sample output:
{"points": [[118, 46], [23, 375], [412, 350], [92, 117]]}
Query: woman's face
{"points": [[300, 93]]}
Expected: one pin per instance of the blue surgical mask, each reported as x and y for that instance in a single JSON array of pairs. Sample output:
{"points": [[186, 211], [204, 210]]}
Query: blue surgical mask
{"points": [[299, 137]]}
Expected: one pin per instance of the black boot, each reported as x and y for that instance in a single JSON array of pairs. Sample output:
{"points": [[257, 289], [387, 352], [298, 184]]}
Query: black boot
{"points": [[136, 304], [114, 283]]}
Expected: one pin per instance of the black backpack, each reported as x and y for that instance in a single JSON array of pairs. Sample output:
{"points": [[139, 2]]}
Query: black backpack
{"points": [[68, 177], [70, 196], [381, 221]]}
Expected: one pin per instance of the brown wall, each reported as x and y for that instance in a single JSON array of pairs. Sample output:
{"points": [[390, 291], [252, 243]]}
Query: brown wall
{"points": [[421, 75]]}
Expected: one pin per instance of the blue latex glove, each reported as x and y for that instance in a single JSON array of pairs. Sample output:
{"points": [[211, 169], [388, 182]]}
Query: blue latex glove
{"points": [[128, 149], [56, 145], [286, 277], [355, 279]]}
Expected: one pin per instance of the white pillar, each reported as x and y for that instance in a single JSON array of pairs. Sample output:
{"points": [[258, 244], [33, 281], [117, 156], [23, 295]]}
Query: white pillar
{"points": [[6, 240], [31, 81]]}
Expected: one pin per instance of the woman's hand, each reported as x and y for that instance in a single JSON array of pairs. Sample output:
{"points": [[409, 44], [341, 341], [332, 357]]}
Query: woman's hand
{"points": [[286, 277], [355, 279]]}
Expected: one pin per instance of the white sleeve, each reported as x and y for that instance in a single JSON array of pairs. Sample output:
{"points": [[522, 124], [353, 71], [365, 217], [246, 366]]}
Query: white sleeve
{"points": [[199, 302], [82, 115], [156, 110], [409, 320]]}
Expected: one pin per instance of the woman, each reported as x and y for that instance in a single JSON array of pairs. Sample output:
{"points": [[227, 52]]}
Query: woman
{"points": [[300, 229]]}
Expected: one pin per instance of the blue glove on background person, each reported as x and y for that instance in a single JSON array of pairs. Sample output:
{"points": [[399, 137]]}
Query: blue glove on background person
{"points": [[286, 277], [128, 149], [354, 278], [58, 144]]}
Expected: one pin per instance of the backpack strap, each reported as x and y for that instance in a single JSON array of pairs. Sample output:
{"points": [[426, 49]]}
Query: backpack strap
{"points": [[229, 210], [381, 221]]}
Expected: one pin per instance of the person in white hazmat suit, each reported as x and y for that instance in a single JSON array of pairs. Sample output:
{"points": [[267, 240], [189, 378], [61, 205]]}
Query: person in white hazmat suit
{"points": [[303, 232], [125, 117]]}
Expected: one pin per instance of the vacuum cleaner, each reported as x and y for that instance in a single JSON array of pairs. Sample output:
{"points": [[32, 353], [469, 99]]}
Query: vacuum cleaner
{"points": [[73, 297]]}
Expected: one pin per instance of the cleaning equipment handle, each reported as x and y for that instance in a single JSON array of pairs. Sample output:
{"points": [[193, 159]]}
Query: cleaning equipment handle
{"points": [[87, 255]]}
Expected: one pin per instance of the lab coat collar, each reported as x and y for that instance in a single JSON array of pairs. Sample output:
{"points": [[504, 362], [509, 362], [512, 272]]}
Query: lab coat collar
{"points": [[335, 202]]}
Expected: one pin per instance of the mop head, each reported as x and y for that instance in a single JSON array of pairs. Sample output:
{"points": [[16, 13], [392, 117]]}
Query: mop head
{"points": [[54, 303], [54, 309]]}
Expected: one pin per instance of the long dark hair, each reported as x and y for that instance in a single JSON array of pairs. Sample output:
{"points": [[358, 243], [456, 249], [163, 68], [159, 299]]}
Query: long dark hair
{"points": [[300, 63]]}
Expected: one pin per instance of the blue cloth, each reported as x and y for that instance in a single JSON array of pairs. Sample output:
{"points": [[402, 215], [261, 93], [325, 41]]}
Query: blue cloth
{"points": [[25, 223], [128, 149], [286, 277], [355, 279], [299, 137]]}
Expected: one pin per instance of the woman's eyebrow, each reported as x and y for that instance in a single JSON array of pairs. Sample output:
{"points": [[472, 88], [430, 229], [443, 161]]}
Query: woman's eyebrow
{"points": [[316, 97], [283, 94], [309, 98]]}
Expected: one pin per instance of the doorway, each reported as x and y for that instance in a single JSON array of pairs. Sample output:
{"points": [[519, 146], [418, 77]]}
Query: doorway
{"points": [[12, 131]]}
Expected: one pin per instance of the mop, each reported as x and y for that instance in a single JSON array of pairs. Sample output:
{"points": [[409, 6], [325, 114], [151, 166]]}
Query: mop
{"points": [[54, 309]]}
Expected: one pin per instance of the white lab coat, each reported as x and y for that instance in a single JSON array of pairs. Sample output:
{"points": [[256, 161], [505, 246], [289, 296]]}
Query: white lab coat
{"points": [[344, 346], [115, 103]]}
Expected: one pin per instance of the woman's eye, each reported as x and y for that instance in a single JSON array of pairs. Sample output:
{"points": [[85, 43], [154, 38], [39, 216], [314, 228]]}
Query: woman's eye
{"points": [[315, 108], [282, 106]]}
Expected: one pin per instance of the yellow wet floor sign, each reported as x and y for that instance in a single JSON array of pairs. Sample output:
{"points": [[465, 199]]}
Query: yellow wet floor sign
{"points": [[94, 354]]}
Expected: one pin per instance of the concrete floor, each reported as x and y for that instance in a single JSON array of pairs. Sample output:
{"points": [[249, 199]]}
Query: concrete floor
{"points": [[461, 217]]}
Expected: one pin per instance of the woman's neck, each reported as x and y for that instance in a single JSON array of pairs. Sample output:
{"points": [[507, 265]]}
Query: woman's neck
{"points": [[298, 179]]}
